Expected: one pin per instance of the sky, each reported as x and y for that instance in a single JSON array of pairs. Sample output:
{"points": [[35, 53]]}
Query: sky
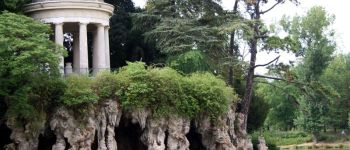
{"points": [[341, 25]]}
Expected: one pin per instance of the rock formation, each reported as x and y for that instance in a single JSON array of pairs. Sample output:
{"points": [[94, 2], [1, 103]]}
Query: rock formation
{"points": [[97, 130]]}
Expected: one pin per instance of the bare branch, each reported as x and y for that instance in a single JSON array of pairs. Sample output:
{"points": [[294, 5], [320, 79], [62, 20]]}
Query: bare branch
{"points": [[278, 2], [279, 79], [262, 65]]}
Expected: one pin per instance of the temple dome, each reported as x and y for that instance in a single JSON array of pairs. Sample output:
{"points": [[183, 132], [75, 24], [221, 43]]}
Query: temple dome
{"points": [[53, 11]]}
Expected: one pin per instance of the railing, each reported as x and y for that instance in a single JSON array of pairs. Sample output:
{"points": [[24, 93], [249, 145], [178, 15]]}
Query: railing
{"points": [[83, 71]]}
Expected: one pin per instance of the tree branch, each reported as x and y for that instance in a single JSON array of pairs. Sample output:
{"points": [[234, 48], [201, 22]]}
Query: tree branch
{"points": [[261, 37], [281, 88], [278, 2], [279, 79], [235, 7], [262, 65]]}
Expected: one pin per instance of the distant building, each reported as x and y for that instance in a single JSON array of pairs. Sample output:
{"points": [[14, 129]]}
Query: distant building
{"points": [[78, 17]]}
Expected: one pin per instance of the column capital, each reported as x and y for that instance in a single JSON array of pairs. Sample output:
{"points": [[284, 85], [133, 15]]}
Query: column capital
{"points": [[58, 23], [84, 23], [100, 25], [107, 27]]}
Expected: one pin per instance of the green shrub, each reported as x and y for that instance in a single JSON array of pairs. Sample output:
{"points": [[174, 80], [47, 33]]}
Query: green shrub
{"points": [[212, 94], [105, 85], [134, 89], [166, 92], [79, 91]]}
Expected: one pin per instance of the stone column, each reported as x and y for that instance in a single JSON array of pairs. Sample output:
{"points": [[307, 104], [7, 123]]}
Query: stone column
{"points": [[76, 53], [99, 51], [59, 40], [108, 54], [83, 47]]}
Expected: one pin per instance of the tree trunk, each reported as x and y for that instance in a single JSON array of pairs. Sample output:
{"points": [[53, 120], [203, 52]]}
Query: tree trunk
{"points": [[249, 83], [315, 137], [250, 77], [232, 51]]}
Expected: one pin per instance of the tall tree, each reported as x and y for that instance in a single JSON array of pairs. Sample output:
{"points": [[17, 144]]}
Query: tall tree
{"points": [[182, 26], [336, 77], [127, 44], [260, 35], [316, 45], [29, 75]]}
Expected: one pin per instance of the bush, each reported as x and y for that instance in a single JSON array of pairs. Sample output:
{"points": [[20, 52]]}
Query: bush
{"points": [[163, 91], [211, 94], [79, 91], [166, 92], [105, 85]]}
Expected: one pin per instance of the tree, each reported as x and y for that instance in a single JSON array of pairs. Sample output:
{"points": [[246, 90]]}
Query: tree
{"points": [[182, 26], [315, 44], [336, 78], [259, 36], [282, 99], [29, 75], [13, 5], [259, 110], [126, 43]]}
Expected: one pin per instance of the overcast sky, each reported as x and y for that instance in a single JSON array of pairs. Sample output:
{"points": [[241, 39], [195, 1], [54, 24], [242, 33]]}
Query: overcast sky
{"points": [[339, 8]]}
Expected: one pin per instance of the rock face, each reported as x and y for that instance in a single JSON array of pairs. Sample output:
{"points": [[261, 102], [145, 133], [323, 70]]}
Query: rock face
{"points": [[24, 137], [262, 144], [97, 130]]}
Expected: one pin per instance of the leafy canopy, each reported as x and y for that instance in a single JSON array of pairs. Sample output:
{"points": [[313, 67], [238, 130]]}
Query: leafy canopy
{"points": [[29, 74]]}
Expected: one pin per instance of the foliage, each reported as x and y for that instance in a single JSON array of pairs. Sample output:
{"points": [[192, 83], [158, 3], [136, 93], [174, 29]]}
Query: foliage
{"points": [[279, 138], [189, 62], [313, 34], [282, 98], [336, 78], [349, 120], [165, 92], [212, 94], [128, 44], [105, 85], [177, 27], [259, 109], [13, 5], [29, 74], [79, 91]]}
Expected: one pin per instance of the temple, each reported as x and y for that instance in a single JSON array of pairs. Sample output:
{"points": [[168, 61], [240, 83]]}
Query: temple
{"points": [[78, 17]]}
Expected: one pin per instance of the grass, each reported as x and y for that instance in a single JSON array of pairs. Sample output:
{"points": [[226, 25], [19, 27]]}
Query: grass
{"points": [[283, 137], [302, 140]]}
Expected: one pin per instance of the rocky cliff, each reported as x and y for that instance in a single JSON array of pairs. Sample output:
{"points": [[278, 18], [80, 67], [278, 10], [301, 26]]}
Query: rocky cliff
{"points": [[108, 127]]}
